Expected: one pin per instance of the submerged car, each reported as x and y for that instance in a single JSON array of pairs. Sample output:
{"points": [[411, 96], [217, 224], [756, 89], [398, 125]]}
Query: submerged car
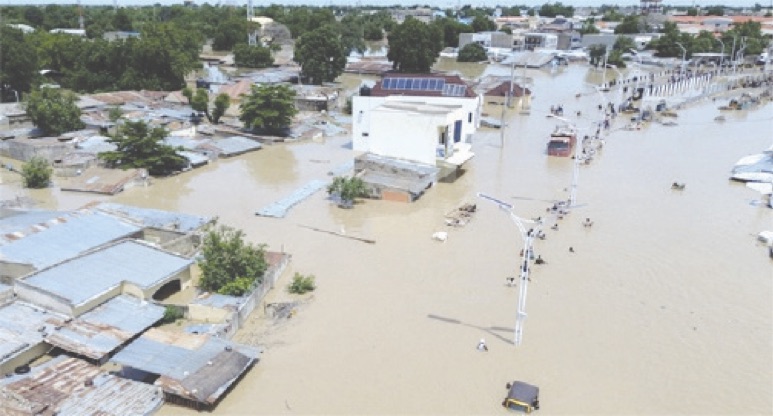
{"points": [[521, 396]]}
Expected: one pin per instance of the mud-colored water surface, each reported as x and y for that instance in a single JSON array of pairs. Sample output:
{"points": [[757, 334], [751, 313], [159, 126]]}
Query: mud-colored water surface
{"points": [[664, 307]]}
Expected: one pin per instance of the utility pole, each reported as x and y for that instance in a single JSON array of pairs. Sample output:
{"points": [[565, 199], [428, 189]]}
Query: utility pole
{"points": [[523, 285]]}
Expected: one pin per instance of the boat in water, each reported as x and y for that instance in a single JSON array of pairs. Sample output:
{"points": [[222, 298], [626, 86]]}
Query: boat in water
{"points": [[562, 141]]}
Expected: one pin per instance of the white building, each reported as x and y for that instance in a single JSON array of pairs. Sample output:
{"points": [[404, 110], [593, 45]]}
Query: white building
{"points": [[426, 118]]}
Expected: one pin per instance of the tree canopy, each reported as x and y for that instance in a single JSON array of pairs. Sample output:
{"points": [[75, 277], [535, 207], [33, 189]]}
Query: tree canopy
{"points": [[36, 173], [472, 52], [54, 111], [138, 146], [321, 55], [229, 265], [252, 56], [556, 9], [269, 107], [414, 46], [20, 62]]}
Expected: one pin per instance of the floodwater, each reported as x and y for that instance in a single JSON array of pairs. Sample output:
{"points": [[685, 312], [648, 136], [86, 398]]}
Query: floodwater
{"points": [[665, 306]]}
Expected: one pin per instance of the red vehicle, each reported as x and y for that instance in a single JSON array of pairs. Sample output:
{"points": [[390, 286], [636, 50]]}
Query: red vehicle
{"points": [[562, 142]]}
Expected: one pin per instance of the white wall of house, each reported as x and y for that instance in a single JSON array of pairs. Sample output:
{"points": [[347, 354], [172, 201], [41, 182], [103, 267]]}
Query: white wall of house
{"points": [[363, 119], [413, 131]]}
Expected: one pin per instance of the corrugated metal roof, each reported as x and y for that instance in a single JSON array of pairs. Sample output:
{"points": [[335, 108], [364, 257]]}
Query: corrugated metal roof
{"points": [[90, 275], [18, 223], [22, 326], [95, 144], [235, 145], [106, 327], [154, 217], [279, 208], [66, 240], [69, 386], [217, 300], [198, 367]]}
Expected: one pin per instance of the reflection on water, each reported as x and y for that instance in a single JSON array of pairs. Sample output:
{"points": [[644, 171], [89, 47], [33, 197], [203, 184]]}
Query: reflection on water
{"points": [[665, 306]]}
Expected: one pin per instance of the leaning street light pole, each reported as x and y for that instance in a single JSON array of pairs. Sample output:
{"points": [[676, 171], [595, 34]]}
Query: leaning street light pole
{"points": [[528, 240]]}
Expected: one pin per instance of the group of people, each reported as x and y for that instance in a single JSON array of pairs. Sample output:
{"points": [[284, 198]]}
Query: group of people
{"points": [[557, 110]]}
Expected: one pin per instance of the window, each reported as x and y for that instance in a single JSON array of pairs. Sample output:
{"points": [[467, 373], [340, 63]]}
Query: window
{"points": [[469, 118]]}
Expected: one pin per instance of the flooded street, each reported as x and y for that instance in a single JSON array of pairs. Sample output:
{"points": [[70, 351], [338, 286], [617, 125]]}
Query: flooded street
{"points": [[664, 307]]}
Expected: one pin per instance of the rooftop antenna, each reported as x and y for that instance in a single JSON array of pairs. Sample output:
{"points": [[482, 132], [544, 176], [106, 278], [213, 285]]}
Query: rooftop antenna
{"points": [[252, 37]]}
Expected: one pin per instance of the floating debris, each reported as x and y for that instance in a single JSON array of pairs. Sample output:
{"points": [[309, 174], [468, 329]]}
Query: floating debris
{"points": [[460, 216]]}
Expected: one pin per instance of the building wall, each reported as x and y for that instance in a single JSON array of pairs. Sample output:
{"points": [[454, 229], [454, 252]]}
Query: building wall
{"points": [[11, 271], [362, 119], [22, 358], [36, 296], [206, 313], [407, 135]]}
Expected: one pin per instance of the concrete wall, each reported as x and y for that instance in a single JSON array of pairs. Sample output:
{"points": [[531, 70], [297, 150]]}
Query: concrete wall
{"points": [[26, 149], [409, 135], [206, 313], [11, 271], [38, 297], [362, 119], [24, 357]]}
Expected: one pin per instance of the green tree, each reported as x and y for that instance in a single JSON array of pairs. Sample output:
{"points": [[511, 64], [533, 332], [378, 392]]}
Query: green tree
{"points": [[321, 55], [557, 9], [36, 173], [347, 190], [222, 102], [269, 107], [200, 100], [483, 24], [596, 53], [629, 25], [138, 146], [252, 56], [229, 32], [54, 111], [715, 11], [187, 92], [624, 44], [589, 27], [450, 30], [230, 265], [414, 46], [472, 52], [19, 63]]}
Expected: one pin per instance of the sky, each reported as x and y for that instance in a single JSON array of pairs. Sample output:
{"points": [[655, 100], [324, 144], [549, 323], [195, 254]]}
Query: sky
{"points": [[438, 3]]}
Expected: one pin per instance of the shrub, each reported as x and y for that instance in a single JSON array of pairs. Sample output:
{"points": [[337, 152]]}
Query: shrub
{"points": [[171, 314], [301, 284], [36, 173]]}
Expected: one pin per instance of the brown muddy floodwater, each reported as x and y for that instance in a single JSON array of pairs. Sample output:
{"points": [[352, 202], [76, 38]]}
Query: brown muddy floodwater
{"points": [[665, 307]]}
